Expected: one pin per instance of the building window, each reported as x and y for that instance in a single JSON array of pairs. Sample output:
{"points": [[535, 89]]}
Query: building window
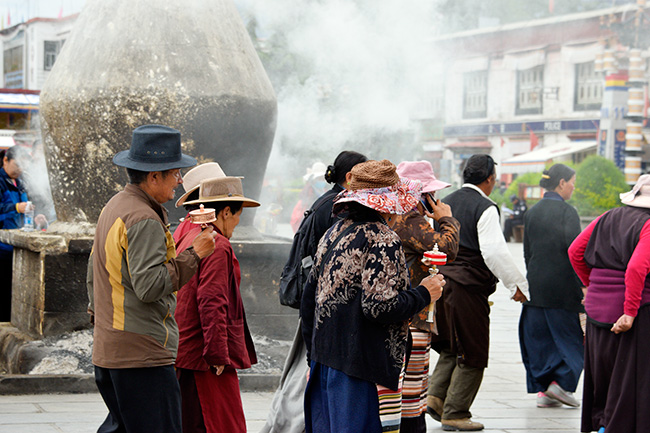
{"points": [[13, 68], [51, 50], [588, 88], [475, 94], [530, 84]]}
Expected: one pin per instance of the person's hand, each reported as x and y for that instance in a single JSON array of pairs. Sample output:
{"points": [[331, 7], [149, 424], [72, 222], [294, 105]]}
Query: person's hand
{"points": [[218, 369], [434, 284], [623, 324], [519, 296], [440, 209], [204, 242], [22, 207], [40, 222]]}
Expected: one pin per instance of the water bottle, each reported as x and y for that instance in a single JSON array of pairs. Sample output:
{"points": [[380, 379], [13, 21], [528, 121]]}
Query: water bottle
{"points": [[29, 217]]}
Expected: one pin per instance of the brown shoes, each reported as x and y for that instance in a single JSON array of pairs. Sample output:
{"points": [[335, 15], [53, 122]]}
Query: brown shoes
{"points": [[434, 407], [463, 424]]}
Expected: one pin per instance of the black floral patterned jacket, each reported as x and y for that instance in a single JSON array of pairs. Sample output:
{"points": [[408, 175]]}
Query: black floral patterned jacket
{"points": [[356, 305]]}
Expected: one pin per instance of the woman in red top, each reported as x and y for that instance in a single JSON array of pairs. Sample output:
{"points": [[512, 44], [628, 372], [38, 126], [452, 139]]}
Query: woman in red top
{"points": [[214, 338], [612, 258]]}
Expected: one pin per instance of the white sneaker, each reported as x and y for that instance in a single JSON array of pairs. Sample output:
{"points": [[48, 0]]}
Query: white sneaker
{"points": [[544, 401], [555, 391]]}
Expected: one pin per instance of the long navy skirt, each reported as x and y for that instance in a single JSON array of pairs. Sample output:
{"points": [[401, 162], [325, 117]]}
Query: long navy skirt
{"points": [[338, 403], [552, 347]]}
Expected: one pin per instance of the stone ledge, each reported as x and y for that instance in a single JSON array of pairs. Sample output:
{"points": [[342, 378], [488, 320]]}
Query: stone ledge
{"points": [[15, 384], [18, 384]]}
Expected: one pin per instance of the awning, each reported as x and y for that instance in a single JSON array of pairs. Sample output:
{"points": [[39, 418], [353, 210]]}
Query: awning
{"points": [[470, 144], [6, 142], [18, 102], [536, 160]]}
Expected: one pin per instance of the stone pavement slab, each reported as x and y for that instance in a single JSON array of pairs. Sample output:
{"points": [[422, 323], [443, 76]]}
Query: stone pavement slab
{"points": [[502, 403]]}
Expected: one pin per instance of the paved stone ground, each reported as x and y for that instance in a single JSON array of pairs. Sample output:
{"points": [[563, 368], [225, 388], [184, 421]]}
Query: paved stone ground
{"points": [[502, 404]]}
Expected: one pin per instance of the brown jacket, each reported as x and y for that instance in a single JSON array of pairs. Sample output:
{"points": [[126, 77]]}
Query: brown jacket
{"points": [[133, 274], [418, 236]]}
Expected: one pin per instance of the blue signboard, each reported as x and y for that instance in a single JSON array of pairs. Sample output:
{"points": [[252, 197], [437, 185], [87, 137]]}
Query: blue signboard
{"points": [[602, 143], [619, 148], [587, 125]]}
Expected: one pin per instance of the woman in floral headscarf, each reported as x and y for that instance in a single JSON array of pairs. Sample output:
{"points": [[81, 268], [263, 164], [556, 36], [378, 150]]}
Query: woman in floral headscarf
{"points": [[356, 305]]}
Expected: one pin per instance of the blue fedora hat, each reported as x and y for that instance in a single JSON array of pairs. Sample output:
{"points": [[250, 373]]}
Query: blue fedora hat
{"points": [[154, 148]]}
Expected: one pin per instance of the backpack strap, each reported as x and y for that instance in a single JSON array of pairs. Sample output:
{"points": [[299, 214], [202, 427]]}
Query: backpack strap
{"points": [[319, 203], [330, 249]]}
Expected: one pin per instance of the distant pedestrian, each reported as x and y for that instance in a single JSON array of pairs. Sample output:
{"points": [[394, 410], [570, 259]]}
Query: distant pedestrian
{"points": [[483, 258], [314, 186], [612, 258], [519, 209], [214, 338], [13, 204], [133, 276], [550, 335]]}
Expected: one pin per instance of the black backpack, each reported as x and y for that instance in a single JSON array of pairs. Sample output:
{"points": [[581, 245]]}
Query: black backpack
{"points": [[296, 270]]}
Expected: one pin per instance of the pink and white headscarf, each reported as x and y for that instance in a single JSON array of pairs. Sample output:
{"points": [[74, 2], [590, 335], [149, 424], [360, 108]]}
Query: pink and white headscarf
{"points": [[396, 199]]}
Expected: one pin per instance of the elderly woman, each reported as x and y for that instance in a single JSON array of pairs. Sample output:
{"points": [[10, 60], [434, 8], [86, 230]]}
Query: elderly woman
{"points": [[356, 305], [550, 335], [214, 340], [612, 258], [191, 183], [418, 236]]}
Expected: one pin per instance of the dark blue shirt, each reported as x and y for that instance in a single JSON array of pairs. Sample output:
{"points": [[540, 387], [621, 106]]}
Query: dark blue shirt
{"points": [[10, 195]]}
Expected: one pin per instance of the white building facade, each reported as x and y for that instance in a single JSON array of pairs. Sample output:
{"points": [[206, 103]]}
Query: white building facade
{"points": [[509, 89]]}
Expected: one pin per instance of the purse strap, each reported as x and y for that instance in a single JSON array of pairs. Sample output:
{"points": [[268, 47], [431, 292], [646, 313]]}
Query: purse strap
{"points": [[330, 249]]}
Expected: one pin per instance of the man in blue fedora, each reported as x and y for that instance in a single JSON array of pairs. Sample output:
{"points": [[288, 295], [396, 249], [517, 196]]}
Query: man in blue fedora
{"points": [[133, 274]]}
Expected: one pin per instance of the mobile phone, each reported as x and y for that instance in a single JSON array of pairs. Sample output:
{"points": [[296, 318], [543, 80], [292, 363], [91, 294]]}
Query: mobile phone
{"points": [[425, 202]]}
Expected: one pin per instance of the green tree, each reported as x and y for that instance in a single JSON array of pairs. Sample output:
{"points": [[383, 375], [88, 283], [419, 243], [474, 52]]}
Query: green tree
{"points": [[513, 189], [598, 185]]}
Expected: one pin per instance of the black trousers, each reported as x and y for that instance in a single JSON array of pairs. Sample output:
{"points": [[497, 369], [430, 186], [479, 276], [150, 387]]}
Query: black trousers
{"points": [[510, 223], [6, 270], [140, 400]]}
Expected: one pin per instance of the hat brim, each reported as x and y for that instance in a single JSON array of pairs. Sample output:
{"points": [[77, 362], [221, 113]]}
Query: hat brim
{"points": [[247, 202], [434, 185], [397, 199], [640, 200], [122, 159], [181, 199]]}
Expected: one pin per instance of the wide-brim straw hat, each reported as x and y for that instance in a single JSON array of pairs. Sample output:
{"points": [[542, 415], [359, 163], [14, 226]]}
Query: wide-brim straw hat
{"points": [[639, 196], [422, 171], [227, 188], [193, 178], [376, 184], [154, 148]]}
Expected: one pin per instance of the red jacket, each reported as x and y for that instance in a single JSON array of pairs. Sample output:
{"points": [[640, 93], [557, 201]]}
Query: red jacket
{"points": [[210, 313], [183, 228]]}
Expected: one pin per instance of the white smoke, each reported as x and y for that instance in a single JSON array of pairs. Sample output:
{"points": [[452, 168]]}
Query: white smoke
{"points": [[367, 67], [349, 75]]}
